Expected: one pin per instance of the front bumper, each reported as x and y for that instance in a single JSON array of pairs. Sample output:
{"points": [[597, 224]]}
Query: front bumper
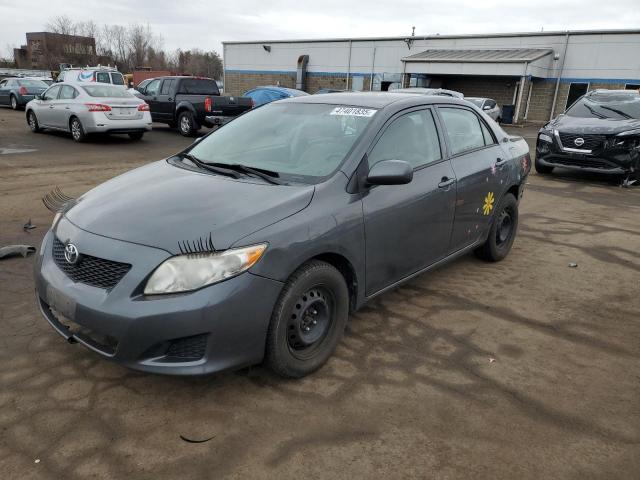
{"points": [[216, 328], [98, 122]]}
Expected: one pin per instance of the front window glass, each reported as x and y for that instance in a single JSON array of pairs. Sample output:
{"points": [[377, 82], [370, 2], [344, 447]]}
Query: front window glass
{"points": [[617, 106], [106, 91], [52, 93], [302, 142]]}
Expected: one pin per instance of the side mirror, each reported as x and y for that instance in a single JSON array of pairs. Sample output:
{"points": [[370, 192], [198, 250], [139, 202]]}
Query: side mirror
{"points": [[390, 172], [486, 107], [38, 97]]}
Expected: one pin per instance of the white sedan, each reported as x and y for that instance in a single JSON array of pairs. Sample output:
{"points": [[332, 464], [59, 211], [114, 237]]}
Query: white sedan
{"points": [[86, 109]]}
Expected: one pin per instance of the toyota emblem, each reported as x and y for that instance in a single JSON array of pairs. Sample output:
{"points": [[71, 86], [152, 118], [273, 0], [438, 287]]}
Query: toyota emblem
{"points": [[579, 141], [71, 254]]}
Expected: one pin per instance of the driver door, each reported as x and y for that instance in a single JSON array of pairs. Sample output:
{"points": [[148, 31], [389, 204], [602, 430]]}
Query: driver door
{"points": [[150, 95], [47, 106], [408, 227]]}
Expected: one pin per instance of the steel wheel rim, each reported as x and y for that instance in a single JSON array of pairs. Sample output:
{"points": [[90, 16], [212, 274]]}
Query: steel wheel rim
{"points": [[505, 228], [75, 129], [185, 124], [310, 321]]}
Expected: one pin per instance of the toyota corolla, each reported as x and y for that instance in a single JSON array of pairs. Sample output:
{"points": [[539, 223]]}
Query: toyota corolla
{"points": [[256, 242]]}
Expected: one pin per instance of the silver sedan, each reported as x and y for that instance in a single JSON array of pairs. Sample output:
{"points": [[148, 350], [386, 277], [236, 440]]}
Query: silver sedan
{"points": [[86, 109], [488, 106]]}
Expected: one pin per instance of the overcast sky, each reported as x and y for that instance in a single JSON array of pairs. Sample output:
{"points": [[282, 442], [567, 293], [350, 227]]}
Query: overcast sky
{"points": [[205, 24]]}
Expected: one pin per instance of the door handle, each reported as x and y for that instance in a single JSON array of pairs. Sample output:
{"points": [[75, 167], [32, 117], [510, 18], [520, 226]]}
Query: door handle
{"points": [[446, 182], [500, 161], [50, 106]]}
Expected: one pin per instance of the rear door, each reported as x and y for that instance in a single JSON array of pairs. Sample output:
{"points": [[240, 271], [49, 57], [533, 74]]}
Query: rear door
{"points": [[63, 107], [479, 165], [4, 92], [408, 227]]}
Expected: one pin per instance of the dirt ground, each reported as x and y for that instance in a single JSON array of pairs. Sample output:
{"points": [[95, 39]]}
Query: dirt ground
{"points": [[523, 369]]}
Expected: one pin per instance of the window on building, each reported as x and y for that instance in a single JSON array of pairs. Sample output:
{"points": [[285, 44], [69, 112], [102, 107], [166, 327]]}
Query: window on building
{"points": [[357, 83], [464, 130], [412, 137], [576, 90], [632, 86]]}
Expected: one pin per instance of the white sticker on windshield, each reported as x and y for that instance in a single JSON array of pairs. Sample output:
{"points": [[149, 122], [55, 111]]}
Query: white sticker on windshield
{"points": [[354, 111]]}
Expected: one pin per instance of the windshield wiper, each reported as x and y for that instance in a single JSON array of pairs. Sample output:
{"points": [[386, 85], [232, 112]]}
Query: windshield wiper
{"points": [[619, 112], [211, 168], [268, 175], [597, 114]]}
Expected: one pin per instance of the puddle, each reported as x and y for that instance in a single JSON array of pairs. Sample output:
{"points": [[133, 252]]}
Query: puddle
{"points": [[10, 151]]}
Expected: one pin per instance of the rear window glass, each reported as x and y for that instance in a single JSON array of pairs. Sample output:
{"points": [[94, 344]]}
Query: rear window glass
{"points": [[105, 91], [32, 83], [197, 86], [102, 77]]}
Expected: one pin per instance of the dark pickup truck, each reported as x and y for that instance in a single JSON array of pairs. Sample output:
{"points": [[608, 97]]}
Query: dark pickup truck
{"points": [[190, 102]]}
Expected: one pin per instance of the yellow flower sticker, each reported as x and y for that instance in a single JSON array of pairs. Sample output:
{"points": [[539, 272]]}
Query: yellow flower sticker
{"points": [[488, 203]]}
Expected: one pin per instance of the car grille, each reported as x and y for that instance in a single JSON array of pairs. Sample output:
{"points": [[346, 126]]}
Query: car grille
{"points": [[591, 142], [93, 271], [188, 348]]}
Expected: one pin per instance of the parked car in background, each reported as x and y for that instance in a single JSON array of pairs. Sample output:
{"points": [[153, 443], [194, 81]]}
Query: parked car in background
{"points": [[600, 133], [488, 106], [259, 240], [271, 93], [92, 74], [48, 80], [83, 109], [190, 102], [17, 92], [429, 91], [328, 90]]}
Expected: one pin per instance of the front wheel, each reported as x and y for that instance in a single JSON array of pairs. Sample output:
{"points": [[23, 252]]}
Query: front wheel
{"points": [[136, 136], [502, 232], [308, 320]]}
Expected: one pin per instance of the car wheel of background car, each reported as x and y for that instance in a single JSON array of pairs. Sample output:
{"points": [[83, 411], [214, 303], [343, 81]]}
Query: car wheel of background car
{"points": [[33, 122], [308, 320], [14, 102], [187, 124], [543, 169], [502, 232], [136, 136], [77, 132]]}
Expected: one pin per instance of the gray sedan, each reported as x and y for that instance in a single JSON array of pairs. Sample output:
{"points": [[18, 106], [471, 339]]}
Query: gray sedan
{"points": [[257, 241], [85, 109], [488, 106], [17, 92]]}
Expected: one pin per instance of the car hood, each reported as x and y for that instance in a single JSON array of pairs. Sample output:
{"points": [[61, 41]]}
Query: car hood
{"points": [[161, 204], [602, 126]]}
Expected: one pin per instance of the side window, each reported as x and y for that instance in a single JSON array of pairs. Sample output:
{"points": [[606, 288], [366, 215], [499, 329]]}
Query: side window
{"points": [[52, 93], [68, 93], [117, 78], [103, 77], [166, 87], [3, 83], [153, 87], [11, 83], [488, 138], [413, 138], [463, 129], [491, 104]]}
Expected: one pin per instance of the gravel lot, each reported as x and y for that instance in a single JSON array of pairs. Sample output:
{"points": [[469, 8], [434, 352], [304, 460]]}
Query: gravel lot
{"points": [[522, 369]]}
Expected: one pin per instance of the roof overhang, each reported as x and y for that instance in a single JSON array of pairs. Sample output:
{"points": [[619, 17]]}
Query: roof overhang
{"points": [[482, 62]]}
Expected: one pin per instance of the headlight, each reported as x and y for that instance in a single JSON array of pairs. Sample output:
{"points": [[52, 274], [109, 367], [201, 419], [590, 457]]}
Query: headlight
{"points": [[183, 273], [56, 219], [545, 138]]}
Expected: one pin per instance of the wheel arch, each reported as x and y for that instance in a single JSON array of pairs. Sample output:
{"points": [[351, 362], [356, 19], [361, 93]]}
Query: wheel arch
{"points": [[181, 107]]}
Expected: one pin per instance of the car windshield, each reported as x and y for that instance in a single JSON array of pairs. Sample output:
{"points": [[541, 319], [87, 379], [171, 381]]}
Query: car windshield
{"points": [[614, 106], [301, 142], [476, 101], [106, 91], [32, 83]]}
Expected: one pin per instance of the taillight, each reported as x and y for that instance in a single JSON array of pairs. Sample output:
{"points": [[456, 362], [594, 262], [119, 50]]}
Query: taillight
{"points": [[98, 107], [22, 90], [143, 107], [207, 104]]}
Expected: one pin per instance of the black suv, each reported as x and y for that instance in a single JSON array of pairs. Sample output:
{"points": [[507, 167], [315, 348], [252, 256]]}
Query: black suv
{"points": [[600, 132]]}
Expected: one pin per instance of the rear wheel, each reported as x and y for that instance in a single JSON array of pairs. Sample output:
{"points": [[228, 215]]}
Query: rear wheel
{"points": [[136, 136], [542, 169], [187, 124], [14, 102], [33, 122], [308, 320], [77, 131], [502, 232]]}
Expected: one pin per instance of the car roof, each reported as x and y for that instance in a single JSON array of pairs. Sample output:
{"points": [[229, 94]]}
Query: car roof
{"points": [[374, 99], [276, 88]]}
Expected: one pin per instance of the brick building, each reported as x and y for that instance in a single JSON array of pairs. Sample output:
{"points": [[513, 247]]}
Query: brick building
{"points": [[46, 50], [527, 70]]}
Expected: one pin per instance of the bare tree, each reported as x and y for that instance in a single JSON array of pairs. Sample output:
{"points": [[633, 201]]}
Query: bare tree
{"points": [[62, 24]]}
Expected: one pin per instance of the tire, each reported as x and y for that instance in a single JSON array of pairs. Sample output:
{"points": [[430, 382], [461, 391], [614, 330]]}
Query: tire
{"points": [[14, 102], [32, 120], [502, 232], [77, 131], [187, 125], [542, 169], [308, 320], [136, 136]]}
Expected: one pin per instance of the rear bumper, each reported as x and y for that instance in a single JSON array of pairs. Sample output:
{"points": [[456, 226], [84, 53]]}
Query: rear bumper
{"points": [[99, 123], [216, 328], [216, 120]]}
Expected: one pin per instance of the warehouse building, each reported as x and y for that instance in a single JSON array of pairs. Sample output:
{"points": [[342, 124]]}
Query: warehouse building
{"points": [[540, 74]]}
